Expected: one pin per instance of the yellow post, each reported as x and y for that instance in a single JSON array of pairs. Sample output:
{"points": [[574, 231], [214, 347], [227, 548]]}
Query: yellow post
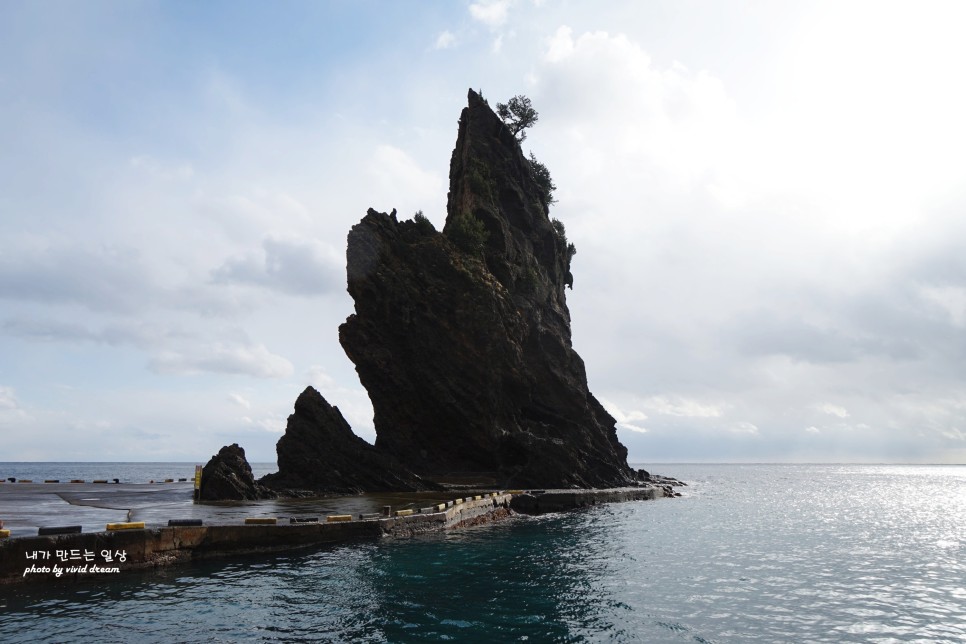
{"points": [[197, 483]]}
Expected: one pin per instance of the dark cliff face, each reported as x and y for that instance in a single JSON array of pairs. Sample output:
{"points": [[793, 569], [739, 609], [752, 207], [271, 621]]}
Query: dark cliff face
{"points": [[319, 453], [465, 349]]}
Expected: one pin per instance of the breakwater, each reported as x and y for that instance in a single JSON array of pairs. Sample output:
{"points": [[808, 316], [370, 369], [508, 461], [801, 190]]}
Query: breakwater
{"points": [[126, 547]]}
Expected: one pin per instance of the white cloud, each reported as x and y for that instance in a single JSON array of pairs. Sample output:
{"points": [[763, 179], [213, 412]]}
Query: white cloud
{"points": [[492, 13], [684, 407], [253, 360], [680, 124], [294, 266], [760, 228], [742, 428], [951, 300], [400, 182], [99, 278], [833, 410], [560, 45], [630, 420], [318, 378], [445, 40], [811, 429], [160, 170], [7, 398], [275, 425], [241, 400]]}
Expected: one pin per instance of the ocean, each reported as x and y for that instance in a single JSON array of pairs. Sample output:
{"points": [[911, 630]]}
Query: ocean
{"points": [[750, 553]]}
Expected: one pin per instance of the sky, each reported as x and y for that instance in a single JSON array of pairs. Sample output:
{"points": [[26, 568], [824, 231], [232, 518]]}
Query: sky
{"points": [[766, 198]]}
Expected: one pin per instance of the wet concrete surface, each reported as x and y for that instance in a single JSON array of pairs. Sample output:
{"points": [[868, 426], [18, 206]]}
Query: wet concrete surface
{"points": [[25, 507]]}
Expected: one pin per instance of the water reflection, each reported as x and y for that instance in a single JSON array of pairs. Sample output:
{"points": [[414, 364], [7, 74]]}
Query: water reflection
{"points": [[753, 554]]}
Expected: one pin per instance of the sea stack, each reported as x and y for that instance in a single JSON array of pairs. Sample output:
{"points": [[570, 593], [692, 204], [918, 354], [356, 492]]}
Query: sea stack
{"points": [[462, 337], [228, 477], [319, 453]]}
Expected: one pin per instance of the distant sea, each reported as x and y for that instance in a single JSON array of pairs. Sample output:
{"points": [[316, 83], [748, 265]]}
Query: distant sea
{"points": [[124, 472], [751, 553]]}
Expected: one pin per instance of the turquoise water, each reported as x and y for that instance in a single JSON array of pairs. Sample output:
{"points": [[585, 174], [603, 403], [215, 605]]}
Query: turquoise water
{"points": [[757, 553]]}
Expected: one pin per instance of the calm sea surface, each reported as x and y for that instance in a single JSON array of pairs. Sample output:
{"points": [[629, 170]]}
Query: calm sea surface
{"points": [[752, 553]]}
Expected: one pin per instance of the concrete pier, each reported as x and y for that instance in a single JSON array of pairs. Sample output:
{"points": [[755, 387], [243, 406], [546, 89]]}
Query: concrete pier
{"points": [[100, 554]]}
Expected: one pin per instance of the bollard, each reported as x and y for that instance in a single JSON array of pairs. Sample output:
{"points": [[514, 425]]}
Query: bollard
{"points": [[51, 480], [338, 518], [165, 480], [458, 501], [99, 481], [197, 492], [261, 521], [132, 525], [369, 516], [25, 481], [184, 522], [387, 510], [403, 513], [77, 480], [4, 534], [303, 520]]}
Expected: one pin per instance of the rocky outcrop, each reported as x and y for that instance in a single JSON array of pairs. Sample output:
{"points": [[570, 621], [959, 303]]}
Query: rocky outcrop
{"points": [[462, 338], [319, 453], [228, 477]]}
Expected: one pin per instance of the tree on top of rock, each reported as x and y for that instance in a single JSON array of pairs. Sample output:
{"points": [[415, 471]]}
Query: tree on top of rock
{"points": [[518, 114]]}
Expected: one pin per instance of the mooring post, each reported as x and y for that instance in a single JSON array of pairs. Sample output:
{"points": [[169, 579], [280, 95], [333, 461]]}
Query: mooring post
{"points": [[197, 483]]}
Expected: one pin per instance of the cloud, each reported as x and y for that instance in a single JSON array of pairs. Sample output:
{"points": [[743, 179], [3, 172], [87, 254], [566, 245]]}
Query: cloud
{"points": [[629, 420], [742, 428], [296, 267], [106, 278], [492, 13], [241, 400], [7, 398], [319, 378], [161, 170], [253, 360], [684, 407], [396, 176], [445, 40], [751, 246], [135, 333], [560, 45], [833, 410]]}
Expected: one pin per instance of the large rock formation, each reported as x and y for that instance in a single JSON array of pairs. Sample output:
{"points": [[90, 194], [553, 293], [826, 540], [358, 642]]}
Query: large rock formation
{"points": [[463, 340], [228, 477], [319, 452]]}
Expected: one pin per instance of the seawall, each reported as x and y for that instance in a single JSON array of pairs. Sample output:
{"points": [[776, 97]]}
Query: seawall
{"points": [[100, 555]]}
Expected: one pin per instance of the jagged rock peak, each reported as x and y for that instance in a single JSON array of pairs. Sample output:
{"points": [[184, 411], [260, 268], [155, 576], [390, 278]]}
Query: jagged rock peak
{"points": [[462, 339], [228, 477], [492, 181], [320, 453]]}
